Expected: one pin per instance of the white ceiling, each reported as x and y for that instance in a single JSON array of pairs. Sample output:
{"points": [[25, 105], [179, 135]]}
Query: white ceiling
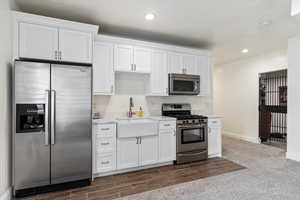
{"points": [[225, 26]]}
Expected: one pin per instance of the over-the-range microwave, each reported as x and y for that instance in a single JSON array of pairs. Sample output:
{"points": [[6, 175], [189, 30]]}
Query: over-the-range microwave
{"points": [[184, 84]]}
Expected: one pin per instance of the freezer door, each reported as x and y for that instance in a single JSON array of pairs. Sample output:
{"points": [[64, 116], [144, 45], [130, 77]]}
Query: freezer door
{"points": [[71, 134], [31, 149]]}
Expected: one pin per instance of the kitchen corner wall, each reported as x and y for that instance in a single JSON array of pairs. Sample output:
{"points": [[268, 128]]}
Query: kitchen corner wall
{"points": [[236, 92], [5, 97]]}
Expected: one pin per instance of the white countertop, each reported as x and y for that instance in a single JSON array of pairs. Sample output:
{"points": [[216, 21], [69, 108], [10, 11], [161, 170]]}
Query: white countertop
{"points": [[115, 120]]}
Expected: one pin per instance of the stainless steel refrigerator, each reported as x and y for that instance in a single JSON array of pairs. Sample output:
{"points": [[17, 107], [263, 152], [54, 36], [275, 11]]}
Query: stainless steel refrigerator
{"points": [[52, 125]]}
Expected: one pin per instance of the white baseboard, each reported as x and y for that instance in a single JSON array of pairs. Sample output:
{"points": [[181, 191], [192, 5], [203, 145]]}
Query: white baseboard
{"points": [[292, 156], [6, 195], [241, 137]]}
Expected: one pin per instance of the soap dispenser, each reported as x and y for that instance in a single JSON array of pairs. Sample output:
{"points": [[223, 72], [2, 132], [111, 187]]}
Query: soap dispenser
{"points": [[140, 113]]}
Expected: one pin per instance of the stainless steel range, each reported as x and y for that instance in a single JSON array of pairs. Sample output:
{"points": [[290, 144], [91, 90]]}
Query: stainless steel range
{"points": [[191, 133]]}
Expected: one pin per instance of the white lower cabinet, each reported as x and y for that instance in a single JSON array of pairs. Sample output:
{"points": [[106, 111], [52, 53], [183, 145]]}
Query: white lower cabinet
{"points": [[112, 154], [106, 162], [214, 137], [128, 153], [148, 150], [167, 141], [167, 146], [137, 151], [104, 137]]}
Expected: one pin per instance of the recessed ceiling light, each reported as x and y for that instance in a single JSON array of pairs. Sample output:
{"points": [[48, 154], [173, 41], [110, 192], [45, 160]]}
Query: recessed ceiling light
{"points": [[149, 16], [245, 51]]}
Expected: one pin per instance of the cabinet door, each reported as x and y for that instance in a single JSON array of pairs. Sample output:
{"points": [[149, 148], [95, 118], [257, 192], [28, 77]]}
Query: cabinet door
{"points": [[167, 145], [123, 58], [204, 70], [38, 42], [127, 153], [175, 63], [190, 64], [148, 150], [103, 73], [142, 60], [159, 74], [75, 46], [214, 141]]}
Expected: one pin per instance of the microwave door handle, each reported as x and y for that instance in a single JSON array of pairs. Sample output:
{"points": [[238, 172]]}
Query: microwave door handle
{"points": [[195, 86]]}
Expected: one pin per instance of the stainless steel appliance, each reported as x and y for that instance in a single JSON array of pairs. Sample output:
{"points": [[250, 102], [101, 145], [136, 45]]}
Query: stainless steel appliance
{"points": [[52, 125], [184, 84], [191, 134]]}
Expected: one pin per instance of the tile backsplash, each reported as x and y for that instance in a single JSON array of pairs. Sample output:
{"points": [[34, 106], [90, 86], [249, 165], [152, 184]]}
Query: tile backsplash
{"points": [[118, 105], [134, 85]]}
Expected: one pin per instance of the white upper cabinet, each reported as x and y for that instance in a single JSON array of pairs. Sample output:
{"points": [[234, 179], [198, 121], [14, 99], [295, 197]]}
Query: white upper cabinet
{"points": [[103, 73], [204, 70], [45, 38], [142, 60], [175, 63], [123, 58], [36, 41], [132, 59], [75, 46], [182, 63], [189, 64], [159, 74]]}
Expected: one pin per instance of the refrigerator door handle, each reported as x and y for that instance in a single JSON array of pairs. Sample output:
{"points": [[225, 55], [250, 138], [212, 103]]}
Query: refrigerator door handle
{"points": [[47, 118], [53, 120]]}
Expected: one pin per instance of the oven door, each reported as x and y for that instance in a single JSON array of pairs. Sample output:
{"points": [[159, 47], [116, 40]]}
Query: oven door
{"points": [[191, 138], [180, 84]]}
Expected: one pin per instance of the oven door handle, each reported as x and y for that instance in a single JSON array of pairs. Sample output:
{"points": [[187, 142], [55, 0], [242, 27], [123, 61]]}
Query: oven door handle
{"points": [[191, 127], [192, 154]]}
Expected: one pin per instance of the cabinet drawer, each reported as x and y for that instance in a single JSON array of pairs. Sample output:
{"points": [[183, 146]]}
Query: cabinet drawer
{"points": [[163, 125], [105, 130], [214, 123], [105, 163], [107, 144]]}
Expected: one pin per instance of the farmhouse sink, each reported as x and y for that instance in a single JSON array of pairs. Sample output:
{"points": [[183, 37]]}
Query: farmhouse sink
{"points": [[137, 127]]}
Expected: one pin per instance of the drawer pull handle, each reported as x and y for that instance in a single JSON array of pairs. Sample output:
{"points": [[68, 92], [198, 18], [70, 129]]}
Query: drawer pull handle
{"points": [[104, 129], [105, 143], [167, 125], [105, 163]]}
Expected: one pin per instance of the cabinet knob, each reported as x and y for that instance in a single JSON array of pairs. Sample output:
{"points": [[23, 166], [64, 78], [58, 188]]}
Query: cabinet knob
{"points": [[104, 163]]}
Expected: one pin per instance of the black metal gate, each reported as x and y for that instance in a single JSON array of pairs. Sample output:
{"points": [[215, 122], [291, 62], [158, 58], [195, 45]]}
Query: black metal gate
{"points": [[273, 106]]}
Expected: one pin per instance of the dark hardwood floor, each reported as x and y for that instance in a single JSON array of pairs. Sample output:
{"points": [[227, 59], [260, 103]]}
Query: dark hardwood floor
{"points": [[115, 186]]}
